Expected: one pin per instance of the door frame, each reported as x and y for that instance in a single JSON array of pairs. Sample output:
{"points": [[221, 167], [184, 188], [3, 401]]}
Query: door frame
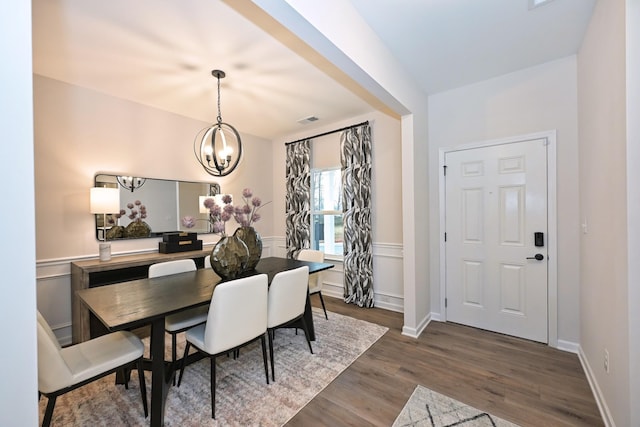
{"points": [[552, 230]]}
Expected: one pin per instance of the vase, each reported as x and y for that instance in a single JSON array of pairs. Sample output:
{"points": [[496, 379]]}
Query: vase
{"points": [[115, 232], [137, 229], [229, 257], [252, 239]]}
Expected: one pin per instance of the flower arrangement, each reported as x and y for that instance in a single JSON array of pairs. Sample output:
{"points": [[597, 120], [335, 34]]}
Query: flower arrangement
{"points": [[138, 212], [136, 228], [248, 214], [244, 215]]}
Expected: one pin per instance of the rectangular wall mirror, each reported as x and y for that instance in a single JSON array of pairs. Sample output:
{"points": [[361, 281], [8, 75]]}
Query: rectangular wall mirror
{"points": [[166, 203]]}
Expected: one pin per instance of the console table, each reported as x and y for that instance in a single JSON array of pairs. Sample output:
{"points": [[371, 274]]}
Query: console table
{"points": [[92, 273]]}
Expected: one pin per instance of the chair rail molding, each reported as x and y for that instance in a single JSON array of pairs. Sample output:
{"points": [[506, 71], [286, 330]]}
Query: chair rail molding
{"points": [[53, 280]]}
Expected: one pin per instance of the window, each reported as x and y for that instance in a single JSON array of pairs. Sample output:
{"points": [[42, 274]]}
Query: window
{"points": [[326, 211]]}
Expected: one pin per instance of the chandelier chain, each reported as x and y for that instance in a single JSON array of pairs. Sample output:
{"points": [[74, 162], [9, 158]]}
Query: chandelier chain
{"points": [[219, 113]]}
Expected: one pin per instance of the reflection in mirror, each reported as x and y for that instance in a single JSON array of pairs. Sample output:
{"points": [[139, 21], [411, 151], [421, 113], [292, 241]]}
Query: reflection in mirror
{"points": [[165, 202]]}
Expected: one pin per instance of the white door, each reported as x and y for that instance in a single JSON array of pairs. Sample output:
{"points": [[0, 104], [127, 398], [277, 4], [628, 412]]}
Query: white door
{"points": [[496, 272]]}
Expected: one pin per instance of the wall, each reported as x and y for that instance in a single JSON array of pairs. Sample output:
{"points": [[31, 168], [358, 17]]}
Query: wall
{"points": [[633, 199], [536, 99], [386, 205], [79, 132], [17, 256], [603, 206]]}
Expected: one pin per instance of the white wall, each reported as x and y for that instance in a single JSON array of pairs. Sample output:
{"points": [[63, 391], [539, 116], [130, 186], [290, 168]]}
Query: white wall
{"points": [[633, 199], [603, 204], [386, 203], [19, 386], [533, 100]]}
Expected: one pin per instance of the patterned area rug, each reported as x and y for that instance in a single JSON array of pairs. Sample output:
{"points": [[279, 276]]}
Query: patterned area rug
{"points": [[426, 408], [243, 397]]}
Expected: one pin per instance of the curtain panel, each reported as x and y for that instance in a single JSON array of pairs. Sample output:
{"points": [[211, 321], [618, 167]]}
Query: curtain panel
{"points": [[355, 156], [297, 199]]}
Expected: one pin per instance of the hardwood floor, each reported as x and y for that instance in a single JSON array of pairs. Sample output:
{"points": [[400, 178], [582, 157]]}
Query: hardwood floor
{"points": [[527, 383]]}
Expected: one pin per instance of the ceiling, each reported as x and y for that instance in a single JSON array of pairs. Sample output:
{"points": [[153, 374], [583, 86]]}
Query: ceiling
{"points": [[160, 53]]}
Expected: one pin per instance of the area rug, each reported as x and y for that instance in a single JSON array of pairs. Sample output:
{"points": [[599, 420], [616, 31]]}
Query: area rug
{"points": [[426, 408], [243, 397]]}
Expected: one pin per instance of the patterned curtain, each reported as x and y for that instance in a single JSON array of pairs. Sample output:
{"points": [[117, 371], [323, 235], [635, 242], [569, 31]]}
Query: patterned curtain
{"points": [[297, 199], [355, 155]]}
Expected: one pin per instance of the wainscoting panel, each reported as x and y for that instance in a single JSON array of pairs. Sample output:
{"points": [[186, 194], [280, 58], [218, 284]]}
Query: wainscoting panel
{"points": [[53, 294], [53, 282]]}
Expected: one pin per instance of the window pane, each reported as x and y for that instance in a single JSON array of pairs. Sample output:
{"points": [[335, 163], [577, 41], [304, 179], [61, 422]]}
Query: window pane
{"points": [[327, 190], [328, 234]]}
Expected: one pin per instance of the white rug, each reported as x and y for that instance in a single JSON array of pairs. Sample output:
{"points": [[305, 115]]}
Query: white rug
{"points": [[426, 408], [243, 397]]}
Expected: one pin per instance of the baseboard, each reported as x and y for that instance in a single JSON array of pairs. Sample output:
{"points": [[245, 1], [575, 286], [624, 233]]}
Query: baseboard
{"points": [[415, 332], [568, 346], [605, 413]]}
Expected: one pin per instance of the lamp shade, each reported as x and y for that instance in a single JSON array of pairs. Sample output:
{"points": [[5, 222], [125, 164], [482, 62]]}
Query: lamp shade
{"points": [[104, 200]]}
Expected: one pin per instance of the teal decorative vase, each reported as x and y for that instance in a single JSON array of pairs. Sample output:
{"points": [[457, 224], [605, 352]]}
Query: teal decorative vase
{"points": [[252, 239], [229, 257]]}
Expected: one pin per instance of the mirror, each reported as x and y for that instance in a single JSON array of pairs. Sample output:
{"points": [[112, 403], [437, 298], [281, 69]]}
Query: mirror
{"points": [[165, 202]]}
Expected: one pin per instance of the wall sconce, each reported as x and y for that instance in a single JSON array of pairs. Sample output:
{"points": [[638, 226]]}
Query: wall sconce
{"points": [[131, 183], [103, 200], [218, 148]]}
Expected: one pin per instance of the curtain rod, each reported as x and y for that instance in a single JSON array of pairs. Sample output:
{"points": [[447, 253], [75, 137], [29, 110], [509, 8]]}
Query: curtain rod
{"points": [[328, 133]]}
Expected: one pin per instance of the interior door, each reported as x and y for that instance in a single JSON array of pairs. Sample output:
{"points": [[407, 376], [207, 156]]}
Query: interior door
{"points": [[496, 232]]}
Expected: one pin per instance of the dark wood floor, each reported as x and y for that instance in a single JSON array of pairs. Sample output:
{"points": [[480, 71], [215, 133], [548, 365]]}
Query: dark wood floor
{"points": [[523, 382]]}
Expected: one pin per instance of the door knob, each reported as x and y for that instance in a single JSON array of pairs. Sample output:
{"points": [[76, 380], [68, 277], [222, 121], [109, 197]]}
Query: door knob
{"points": [[538, 257]]}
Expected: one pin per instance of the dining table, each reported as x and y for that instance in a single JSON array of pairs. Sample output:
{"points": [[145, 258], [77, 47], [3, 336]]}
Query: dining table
{"points": [[133, 304]]}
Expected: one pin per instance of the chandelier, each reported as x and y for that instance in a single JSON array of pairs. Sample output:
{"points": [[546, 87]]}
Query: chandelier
{"points": [[218, 147], [131, 183]]}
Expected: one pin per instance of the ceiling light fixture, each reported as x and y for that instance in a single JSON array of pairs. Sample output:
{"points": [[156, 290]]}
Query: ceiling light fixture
{"points": [[218, 147], [131, 183]]}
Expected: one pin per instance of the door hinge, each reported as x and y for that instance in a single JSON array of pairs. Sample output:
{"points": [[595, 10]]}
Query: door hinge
{"points": [[445, 303], [445, 236], [444, 168]]}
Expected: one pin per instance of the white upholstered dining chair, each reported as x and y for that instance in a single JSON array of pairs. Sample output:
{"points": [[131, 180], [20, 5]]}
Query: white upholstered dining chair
{"points": [[61, 370], [179, 322], [315, 279], [287, 298], [237, 317]]}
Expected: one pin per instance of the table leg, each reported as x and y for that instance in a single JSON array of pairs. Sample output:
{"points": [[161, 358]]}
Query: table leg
{"points": [[158, 376]]}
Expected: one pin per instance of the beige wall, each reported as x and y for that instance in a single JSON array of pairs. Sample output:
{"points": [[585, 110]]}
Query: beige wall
{"points": [[603, 205], [386, 177], [533, 100], [79, 132]]}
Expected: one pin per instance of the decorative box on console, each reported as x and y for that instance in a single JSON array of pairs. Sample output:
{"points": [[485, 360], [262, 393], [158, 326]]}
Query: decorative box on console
{"points": [[179, 242]]}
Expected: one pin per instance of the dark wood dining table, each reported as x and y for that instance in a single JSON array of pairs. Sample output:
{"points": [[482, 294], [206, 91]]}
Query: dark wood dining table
{"points": [[136, 303]]}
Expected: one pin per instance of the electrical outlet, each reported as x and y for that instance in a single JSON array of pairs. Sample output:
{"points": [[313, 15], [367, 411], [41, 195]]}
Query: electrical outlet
{"points": [[606, 360]]}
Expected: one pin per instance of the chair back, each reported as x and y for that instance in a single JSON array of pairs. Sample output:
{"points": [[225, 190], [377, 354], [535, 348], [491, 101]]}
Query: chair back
{"points": [[237, 314], [287, 296], [171, 267], [207, 261], [53, 372], [315, 279]]}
